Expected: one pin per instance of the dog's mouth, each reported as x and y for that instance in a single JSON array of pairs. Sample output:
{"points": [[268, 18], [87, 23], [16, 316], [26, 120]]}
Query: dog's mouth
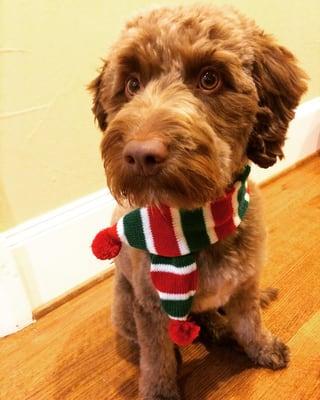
{"points": [[178, 188]]}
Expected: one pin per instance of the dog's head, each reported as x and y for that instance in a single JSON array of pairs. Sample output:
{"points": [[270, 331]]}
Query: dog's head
{"points": [[185, 98]]}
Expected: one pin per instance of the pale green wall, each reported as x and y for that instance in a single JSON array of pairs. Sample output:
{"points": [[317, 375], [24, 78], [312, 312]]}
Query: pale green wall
{"points": [[49, 50], [295, 24]]}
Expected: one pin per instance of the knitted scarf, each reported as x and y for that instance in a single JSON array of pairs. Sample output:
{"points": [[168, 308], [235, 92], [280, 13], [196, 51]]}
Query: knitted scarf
{"points": [[172, 237]]}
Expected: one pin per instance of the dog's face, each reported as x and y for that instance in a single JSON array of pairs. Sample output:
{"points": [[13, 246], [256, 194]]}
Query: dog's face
{"points": [[186, 96]]}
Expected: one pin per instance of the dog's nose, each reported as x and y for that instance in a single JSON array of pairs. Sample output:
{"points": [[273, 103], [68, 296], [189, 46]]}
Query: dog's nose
{"points": [[145, 156]]}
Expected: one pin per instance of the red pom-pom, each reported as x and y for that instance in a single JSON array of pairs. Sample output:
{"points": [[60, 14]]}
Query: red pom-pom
{"points": [[106, 245], [183, 333]]}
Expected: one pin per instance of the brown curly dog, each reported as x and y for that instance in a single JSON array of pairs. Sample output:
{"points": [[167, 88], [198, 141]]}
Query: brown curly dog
{"points": [[186, 97]]}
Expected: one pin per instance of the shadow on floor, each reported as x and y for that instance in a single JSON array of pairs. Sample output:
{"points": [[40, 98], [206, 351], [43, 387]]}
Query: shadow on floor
{"points": [[200, 378]]}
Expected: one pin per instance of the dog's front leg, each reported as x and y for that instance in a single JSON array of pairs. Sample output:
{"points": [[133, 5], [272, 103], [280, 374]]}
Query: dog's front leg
{"points": [[122, 307], [158, 364], [261, 346]]}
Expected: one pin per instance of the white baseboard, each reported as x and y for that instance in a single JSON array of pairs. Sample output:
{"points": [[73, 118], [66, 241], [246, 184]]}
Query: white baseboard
{"points": [[52, 252], [15, 309]]}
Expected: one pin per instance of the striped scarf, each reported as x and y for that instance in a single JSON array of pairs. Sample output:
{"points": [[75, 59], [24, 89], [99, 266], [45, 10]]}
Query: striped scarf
{"points": [[172, 237]]}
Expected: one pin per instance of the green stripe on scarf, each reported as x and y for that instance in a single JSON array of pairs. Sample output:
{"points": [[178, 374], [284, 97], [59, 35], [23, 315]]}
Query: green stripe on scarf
{"points": [[194, 229], [243, 203], [177, 308], [133, 229], [179, 262], [245, 174]]}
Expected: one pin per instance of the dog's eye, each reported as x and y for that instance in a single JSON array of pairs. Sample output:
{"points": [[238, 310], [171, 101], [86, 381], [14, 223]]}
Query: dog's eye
{"points": [[133, 85], [209, 80]]}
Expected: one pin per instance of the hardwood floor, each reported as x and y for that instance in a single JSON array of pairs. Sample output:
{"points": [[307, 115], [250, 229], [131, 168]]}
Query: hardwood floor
{"points": [[73, 352]]}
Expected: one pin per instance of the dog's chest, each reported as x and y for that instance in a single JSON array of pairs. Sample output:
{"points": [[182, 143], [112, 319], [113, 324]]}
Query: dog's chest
{"points": [[214, 291], [219, 278]]}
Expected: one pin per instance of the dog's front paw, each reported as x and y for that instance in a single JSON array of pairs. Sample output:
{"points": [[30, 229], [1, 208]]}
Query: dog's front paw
{"points": [[154, 396], [274, 354], [162, 392]]}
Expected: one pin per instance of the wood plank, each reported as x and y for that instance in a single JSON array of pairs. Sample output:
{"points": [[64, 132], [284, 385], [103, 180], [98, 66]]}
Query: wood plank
{"points": [[302, 379], [74, 353], [225, 373], [292, 167]]}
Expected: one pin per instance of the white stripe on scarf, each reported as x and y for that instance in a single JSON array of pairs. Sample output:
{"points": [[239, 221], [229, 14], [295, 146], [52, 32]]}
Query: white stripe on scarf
{"points": [[120, 231], [209, 222], [148, 236], [178, 232], [172, 269], [235, 204], [176, 296]]}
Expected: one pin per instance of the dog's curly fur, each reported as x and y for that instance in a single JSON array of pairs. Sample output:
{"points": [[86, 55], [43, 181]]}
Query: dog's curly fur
{"points": [[210, 136]]}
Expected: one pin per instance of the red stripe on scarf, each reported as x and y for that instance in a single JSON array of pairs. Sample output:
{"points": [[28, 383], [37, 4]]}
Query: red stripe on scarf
{"points": [[162, 230], [222, 212], [174, 284], [222, 209], [226, 229]]}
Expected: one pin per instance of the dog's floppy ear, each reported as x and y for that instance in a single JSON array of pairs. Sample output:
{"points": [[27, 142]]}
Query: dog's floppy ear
{"points": [[280, 84], [96, 88]]}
